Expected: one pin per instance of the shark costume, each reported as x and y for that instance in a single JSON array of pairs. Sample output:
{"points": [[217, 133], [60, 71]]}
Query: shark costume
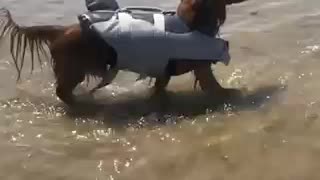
{"points": [[146, 45]]}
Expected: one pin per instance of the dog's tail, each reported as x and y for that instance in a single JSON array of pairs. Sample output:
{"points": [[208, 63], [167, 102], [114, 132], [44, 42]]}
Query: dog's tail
{"points": [[21, 37]]}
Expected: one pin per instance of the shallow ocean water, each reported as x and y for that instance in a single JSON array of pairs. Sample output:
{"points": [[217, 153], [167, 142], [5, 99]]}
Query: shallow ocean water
{"points": [[270, 134]]}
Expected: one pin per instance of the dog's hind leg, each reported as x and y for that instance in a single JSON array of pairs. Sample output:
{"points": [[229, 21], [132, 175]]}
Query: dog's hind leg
{"points": [[68, 77], [67, 72], [161, 84], [108, 77], [65, 88]]}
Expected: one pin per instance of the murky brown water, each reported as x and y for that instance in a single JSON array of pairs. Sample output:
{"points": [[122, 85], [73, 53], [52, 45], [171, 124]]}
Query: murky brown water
{"points": [[272, 134]]}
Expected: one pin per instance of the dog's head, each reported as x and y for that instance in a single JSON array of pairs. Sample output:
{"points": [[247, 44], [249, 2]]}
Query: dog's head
{"points": [[206, 16]]}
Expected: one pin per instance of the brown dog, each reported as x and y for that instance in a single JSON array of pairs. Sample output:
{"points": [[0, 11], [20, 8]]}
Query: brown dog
{"points": [[75, 56]]}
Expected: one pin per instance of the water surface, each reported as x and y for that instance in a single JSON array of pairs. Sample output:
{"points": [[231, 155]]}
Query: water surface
{"points": [[271, 134]]}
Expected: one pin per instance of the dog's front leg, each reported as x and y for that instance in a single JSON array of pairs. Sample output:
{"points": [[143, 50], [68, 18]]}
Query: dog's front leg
{"points": [[209, 83], [159, 94]]}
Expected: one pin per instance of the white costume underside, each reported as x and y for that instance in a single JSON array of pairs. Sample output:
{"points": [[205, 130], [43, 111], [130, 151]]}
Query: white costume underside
{"points": [[146, 48]]}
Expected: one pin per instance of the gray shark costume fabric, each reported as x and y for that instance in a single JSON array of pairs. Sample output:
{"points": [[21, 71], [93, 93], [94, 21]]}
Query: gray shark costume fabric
{"points": [[94, 5], [145, 43]]}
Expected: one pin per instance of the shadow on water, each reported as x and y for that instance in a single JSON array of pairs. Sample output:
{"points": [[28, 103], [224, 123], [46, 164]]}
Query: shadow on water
{"points": [[138, 111], [186, 105]]}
